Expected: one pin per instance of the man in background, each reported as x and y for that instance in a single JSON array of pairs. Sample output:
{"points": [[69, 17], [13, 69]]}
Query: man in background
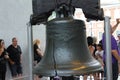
{"points": [[118, 43], [15, 52], [114, 51]]}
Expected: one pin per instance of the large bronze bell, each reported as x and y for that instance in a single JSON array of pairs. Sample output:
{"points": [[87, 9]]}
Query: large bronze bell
{"points": [[66, 51]]}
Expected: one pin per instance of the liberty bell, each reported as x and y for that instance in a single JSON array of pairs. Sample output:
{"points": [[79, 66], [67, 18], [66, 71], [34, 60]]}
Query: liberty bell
{"points": [[67, 50]]}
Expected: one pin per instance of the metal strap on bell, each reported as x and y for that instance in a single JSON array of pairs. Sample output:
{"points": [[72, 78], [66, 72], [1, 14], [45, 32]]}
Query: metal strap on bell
{"points": [[66, 51]]}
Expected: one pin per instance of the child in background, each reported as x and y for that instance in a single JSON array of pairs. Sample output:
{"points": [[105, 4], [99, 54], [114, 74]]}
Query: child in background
{"points": [[99, 57]]}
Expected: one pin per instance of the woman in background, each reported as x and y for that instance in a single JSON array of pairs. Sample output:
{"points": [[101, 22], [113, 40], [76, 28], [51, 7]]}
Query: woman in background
{"points": [[37, 51], [3, 59], [91, 49], [37, 55]]}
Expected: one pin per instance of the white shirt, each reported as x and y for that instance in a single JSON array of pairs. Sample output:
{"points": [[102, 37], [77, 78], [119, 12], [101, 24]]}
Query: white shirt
{"points": [[99, 52]]}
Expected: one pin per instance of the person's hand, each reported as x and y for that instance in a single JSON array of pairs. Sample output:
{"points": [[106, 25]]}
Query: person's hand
{"points": [[118, 21], [11, 62], [6, 57]]}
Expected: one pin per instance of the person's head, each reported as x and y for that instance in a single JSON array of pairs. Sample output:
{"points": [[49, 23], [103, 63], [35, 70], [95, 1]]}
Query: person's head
{"points": [[89, 40], [99, 47], [37, 41], [2, 45], [118, 36], [100, 42], [14, 41]]}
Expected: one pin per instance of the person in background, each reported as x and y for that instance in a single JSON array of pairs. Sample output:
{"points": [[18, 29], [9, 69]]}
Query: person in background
{"points": [[114, 51], [3, 59], [118, 43], [100, 42], [99, 57], [95, 45], [15, 60], [37, 56], [37, 51], [91, 49], [90, 45]]}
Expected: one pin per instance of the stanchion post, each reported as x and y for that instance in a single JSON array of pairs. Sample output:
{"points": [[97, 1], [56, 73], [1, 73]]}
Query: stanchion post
{"points": [[30, 49], [107, 28]]}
